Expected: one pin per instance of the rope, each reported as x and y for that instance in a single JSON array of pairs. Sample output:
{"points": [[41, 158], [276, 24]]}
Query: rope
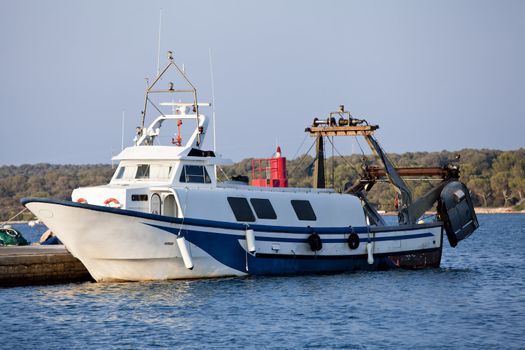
{"points": [[343, 157], [227, 178], [20, 212], [302, 158], [300, 146], [361, 148]]}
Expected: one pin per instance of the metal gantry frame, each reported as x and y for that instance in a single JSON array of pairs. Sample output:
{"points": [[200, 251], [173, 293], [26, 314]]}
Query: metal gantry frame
{"points": [[409, 210], [150, 90]]}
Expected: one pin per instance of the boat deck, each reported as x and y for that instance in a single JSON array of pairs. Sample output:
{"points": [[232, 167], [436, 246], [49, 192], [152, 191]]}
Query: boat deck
{"points": [[37, 264]]}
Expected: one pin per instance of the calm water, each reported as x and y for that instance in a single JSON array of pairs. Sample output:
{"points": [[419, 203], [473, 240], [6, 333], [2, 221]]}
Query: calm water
{"points": [[476, 300]]}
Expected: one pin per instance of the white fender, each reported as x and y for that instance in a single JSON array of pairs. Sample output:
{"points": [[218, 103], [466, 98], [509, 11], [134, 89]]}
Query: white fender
{"points": [[370, 255], [250, 240], [185, 254]]}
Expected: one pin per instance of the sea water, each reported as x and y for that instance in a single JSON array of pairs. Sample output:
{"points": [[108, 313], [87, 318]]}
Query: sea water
{"points": [[476, 300]]}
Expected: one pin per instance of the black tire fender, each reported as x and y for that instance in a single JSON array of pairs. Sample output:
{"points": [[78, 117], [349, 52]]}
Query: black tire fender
{"points": [[353, 241], [315, 242]]}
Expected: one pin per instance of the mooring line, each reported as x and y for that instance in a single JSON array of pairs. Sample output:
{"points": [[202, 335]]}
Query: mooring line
{"points": [[20, 212]]}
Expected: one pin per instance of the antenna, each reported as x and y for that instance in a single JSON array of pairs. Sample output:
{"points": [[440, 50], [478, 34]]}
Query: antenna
{"points": [[213, 103], [122, 132], [158, 46]]}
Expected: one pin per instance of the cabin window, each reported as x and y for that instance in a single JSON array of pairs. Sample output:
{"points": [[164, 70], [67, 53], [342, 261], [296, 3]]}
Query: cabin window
{"points": [[241, 209], [142, 171], [121, 172], [195, 174], [139, 197], [130, 172], [126, 172], [263, 208], [159, 172], [303, 210]]}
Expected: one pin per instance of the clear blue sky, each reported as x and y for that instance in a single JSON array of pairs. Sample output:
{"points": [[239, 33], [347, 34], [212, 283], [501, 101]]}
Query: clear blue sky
{"points": [[435, 75]]}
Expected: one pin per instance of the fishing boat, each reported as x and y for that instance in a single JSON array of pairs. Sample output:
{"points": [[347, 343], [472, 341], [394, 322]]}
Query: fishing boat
{"points": [[165, 214]]}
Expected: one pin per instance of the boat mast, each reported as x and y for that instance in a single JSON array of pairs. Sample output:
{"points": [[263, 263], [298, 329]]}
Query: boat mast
{"points": [[213, 104], [122, 132], [150, 90], [158, 44], [319, 181], [213, 111]]}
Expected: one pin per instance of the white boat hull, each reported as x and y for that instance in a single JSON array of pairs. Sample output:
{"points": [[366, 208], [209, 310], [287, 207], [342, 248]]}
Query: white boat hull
{"points": [[121, 248], [123, 245]]}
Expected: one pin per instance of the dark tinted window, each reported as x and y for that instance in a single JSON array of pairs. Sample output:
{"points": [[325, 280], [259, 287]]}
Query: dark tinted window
{"points": [[263, 208], [142, 171], [139, 197], [121, 172], [194, 174], [241, 209], [303, 210]]}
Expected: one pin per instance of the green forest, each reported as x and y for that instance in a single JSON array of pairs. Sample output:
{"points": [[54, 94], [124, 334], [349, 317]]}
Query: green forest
{"points": [[495, 178]]}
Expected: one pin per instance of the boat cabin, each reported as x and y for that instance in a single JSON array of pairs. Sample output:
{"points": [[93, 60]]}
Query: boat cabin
{"points": [[180, 179]]}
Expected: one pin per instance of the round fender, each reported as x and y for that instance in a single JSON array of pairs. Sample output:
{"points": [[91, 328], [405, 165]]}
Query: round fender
{"points": [[353, 241], [315, 242], [82, 200]]}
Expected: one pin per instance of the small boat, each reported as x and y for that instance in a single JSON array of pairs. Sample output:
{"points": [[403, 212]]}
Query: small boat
{"points": [[11, 236], [165, 215]]}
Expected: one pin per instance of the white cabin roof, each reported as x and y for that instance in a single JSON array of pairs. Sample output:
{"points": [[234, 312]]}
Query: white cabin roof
{"points": [[154, 153]]}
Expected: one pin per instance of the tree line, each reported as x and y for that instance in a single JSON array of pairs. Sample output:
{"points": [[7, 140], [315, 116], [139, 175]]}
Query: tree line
{"points": [[45, 180], [495, 178]]}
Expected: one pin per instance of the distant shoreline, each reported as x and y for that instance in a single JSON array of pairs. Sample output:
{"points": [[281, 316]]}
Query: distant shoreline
{"points": [[498, 210], [478, 210]]}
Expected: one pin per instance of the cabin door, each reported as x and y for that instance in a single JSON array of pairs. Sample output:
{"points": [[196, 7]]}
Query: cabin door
{"points": [[170, 206], [155, 204]]}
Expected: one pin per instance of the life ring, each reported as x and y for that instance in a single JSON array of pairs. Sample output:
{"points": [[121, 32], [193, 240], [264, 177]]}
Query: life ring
{"points": [[315, 242], [82, 200], [353, 241], [112, 202]]}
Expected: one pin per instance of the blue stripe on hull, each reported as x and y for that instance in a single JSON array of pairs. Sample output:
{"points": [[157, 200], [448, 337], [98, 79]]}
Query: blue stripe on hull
{"points": [[226, 249], [303, 240], [343, 240]]}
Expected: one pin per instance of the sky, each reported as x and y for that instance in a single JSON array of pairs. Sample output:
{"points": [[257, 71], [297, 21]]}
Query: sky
{"points": [[435, 75]]}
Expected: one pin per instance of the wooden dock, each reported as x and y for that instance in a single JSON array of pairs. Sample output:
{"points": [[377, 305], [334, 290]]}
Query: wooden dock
{"points": [[39, 264]]}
